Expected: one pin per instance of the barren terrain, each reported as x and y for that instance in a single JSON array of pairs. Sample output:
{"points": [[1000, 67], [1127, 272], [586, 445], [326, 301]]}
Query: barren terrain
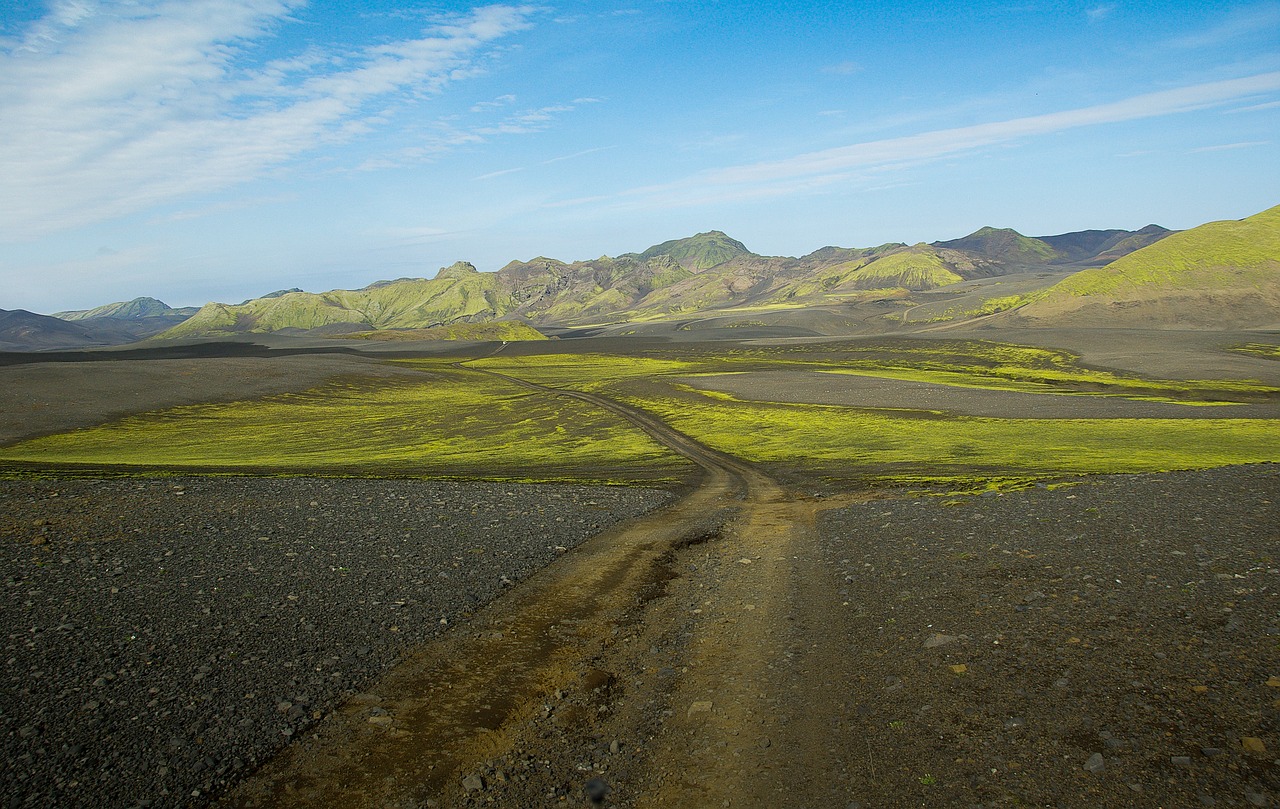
{"points": [[1107, 640]]}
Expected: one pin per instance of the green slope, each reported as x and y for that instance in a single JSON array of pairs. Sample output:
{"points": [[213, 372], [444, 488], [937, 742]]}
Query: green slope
{"points": [[700, 252], [459, 293], [1219, 274]]}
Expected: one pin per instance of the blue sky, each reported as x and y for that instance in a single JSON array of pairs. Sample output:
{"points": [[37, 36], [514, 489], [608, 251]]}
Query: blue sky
{"points": [[197, 150]]}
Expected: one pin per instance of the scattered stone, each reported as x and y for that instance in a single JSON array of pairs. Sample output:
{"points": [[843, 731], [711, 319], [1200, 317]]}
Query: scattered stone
{"points": [[1095, 764], [473, 783], [699, 708], [597, 790], [1180, 761], [1254, 745], [938, 639]]}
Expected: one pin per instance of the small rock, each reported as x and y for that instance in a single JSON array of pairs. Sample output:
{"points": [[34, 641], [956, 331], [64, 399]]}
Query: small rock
{"points": [[1180, 761], [1095, 764], [699, 708], [615, 746], [1210, 752], [597, 790], [473, 783], [1252, 744], [938, 639]]}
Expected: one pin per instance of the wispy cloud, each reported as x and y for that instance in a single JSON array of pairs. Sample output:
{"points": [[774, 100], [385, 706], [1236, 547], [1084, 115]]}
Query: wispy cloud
{"points": [[1240, 22], [843, 68], [1100, 12], [1226, 147], [547, 162], [448, 134], [108, 108], [814, 170]]}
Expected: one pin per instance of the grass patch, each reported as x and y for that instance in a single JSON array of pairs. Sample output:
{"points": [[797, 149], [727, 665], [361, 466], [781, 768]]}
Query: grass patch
{"points": [[1264, 350], [451, 423], [937, 450]]}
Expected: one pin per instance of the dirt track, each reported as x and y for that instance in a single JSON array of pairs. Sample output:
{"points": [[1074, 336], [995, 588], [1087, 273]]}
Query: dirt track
{"points": [[1112, 643], [803, 657]]}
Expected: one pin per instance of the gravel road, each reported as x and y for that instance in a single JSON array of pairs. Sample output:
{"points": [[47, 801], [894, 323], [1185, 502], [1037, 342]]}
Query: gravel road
{"points": [[164, 636]]}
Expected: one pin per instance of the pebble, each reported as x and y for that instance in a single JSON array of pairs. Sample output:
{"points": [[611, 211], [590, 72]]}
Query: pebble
{"points": [[1095, 764], [206, 615]]}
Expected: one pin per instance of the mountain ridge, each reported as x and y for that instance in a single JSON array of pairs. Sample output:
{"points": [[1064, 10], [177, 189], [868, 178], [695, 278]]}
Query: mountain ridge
{"points": [[709, 274], [699, 273]]}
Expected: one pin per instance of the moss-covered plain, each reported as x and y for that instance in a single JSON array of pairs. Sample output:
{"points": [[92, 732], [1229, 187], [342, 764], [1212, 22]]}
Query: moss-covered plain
{"points": [[962, 363], [846, 442], [853, 443], [451, 423]]}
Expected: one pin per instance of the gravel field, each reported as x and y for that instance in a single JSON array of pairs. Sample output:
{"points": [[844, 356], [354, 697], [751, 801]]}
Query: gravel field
{"points": [[164, 636], [1115, 643]]}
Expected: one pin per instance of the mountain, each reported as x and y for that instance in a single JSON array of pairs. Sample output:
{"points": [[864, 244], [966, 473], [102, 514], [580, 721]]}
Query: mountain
{"points": [[21, 330], [1009, 248], [700, 252], [704, 274], [1215, 275], [128, 310], [127, 321]]}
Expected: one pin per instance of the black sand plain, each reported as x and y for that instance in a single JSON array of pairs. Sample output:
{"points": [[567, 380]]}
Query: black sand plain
{"points": [[165, 636]]}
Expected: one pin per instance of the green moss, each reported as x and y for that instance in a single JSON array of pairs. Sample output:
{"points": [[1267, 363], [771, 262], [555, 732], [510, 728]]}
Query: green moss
{"points": [[502, 330], [832, 437], [1265, 350], [451, 423]]}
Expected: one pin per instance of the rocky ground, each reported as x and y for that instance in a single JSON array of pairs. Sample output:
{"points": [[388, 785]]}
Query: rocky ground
{"points": [[1110, 643], [164, 636]]}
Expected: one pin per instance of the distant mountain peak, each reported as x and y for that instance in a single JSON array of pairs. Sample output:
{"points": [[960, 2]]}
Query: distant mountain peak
{"points": [[700, 252], [122, 310], [457, 269]]}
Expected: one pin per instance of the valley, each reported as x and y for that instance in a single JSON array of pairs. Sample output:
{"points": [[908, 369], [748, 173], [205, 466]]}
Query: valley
{"points": [[816, 514], [968, 523]]}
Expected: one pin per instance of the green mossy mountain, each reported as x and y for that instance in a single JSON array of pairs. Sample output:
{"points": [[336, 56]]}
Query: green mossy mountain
{"points": [[127, 310], [700, 252], [1221, 273], [712, 272]]}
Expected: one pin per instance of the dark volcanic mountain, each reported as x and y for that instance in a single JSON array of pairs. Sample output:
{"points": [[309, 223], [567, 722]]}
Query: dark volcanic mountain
{"points": [[21, 330], [1085, 248]]}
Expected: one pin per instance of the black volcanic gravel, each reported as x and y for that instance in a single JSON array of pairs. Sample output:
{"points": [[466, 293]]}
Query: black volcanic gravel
{"points": [[163, 636]]}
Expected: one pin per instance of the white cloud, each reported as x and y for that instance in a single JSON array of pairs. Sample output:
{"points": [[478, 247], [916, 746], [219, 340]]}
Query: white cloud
{"points": [[108, 108], [843, 68], [1224, 147], [448, 135], [807, 172], [1239, 22], [1099, 13]]}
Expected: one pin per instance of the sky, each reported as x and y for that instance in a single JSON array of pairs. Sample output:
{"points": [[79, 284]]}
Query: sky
{"points": [[218, 150]]}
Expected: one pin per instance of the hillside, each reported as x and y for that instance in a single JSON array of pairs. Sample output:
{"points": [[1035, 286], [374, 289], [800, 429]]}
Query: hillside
{"points": [[706, 273], [1221, 273], [1009, 248], [136, 309], [702, 273]]}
